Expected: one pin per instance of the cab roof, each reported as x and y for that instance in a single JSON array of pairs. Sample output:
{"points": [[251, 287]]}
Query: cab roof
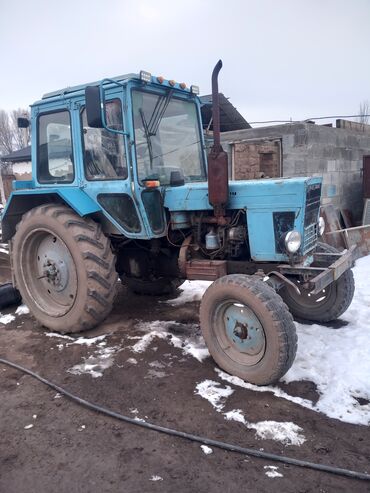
{"points": [[80, 87]]}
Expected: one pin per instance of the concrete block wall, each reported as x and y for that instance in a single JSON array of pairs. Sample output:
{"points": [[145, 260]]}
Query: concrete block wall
{"points": [[313, 150]]}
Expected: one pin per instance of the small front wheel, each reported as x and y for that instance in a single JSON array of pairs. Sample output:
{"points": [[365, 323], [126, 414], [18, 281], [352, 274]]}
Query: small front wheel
{"points": [[326, 306], [248, 329]]}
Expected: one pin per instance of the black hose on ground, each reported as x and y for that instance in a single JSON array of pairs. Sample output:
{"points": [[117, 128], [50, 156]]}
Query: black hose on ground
{"points": [[195, 438]]}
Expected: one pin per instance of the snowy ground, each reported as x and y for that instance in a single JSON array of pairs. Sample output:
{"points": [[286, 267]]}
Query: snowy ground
{"points": [[152, 364], [336, 360]]}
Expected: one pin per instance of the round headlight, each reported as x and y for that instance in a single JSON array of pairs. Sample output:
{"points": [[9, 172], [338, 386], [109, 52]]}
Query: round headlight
{"points": [[293, 241], [321, 225]]}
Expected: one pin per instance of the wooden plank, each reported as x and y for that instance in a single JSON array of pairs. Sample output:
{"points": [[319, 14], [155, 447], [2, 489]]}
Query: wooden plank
{"points": [[366, 213], [331, 218], [347, 218]]}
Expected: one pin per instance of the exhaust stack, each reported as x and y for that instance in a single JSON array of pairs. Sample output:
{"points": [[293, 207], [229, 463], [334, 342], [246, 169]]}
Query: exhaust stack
{"points": [[218, 181]]}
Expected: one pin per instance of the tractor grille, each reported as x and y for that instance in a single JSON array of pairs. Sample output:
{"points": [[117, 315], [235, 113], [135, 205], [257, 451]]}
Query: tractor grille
{"points": [[310, 238], [311, 217]]}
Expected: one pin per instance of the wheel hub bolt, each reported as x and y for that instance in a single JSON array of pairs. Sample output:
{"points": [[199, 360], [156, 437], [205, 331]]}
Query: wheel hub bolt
{"points": [[241, 330], [51, 271]]}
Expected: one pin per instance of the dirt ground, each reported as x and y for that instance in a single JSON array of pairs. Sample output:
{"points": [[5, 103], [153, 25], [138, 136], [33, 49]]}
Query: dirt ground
{"points": [[72, 449]]}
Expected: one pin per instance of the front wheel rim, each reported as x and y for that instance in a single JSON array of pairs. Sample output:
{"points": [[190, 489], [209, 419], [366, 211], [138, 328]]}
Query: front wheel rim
{"points": [[49, 272], [239, 332], [308, 300]]}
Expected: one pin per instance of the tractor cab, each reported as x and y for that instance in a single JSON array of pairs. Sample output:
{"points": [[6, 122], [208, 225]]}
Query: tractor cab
{"points": [[120, 142]]}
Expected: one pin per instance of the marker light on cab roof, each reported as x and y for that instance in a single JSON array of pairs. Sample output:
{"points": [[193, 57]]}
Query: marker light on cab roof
{"points": [[145, 76]]}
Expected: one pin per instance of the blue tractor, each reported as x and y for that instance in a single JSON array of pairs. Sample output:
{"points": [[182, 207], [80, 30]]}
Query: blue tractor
{"points": [[122, 187]]}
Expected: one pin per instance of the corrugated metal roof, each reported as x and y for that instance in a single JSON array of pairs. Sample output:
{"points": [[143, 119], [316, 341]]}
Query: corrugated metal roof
{"points": [[230, 118], [19, 156]]}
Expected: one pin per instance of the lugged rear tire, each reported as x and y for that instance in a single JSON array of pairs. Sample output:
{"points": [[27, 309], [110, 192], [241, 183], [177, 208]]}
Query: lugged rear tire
{"points": [[64, 268]]}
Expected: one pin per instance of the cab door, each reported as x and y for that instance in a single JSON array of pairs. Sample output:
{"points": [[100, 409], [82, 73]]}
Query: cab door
{"points": [[106, 175]]}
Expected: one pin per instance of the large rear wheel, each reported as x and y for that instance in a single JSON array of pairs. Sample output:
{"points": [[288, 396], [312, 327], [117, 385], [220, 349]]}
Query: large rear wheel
{"points": [[248, 329], [64, 268]]}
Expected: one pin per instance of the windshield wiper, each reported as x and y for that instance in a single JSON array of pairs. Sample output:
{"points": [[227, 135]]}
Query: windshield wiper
{"points": [[158, 112], [147, 137]]}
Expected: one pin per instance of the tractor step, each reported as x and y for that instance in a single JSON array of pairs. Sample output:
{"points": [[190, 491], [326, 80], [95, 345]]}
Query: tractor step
{"points": [[206, 270]]}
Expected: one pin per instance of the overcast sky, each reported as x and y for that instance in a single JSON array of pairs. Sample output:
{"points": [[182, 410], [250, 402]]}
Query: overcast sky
{"points": [[282, 58]]}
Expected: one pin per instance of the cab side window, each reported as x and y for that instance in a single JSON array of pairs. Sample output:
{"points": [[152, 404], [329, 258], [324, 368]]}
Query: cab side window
{"points": [[104, 151], [54, 148]]}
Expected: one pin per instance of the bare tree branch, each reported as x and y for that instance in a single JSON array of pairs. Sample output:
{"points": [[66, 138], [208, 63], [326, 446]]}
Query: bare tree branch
{"points": [[364, 112], [13, 138], [6, 133], [21, 136]]}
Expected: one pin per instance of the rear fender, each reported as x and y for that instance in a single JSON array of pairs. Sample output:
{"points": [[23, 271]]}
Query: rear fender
{"points": [[22, 201]]}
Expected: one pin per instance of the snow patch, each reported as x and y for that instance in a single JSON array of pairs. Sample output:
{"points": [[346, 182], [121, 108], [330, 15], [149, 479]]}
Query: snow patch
{"points": [[156, 478], [6, 319], [192, 344], [145, 341], [272, 472], [22, 310], [60, 336], [80, 341], [97, 363], [190, 291], [214, 393], [88, 341], [206, 450], [338, 360], [132, 361], [263, 388], [286, 432], [235, 415]]}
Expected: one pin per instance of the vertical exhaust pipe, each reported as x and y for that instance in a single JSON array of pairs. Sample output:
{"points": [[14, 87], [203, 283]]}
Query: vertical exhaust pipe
{"points": [[218, 181]]}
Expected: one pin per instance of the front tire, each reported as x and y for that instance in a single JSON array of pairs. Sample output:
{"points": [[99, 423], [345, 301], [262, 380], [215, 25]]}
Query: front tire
{"points": [[248, 329], [326, 306], [64, 268]]}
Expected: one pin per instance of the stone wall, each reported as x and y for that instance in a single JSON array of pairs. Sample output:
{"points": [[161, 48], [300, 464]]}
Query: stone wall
{"points": [[314, 150]]}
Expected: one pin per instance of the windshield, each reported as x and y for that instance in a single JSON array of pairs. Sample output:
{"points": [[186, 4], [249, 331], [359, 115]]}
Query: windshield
{"points": [[167, 138]]}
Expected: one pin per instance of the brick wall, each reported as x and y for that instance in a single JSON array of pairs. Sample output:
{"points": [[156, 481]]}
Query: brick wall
{"points": [[256, 160]]}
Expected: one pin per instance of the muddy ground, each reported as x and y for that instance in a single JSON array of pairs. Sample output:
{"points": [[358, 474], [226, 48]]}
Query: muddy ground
{"points": [[72, 449]]}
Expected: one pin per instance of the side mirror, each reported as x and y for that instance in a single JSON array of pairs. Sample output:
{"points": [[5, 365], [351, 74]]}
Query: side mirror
{"points": [[177, 178], [23, 122], [93, 107]]}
